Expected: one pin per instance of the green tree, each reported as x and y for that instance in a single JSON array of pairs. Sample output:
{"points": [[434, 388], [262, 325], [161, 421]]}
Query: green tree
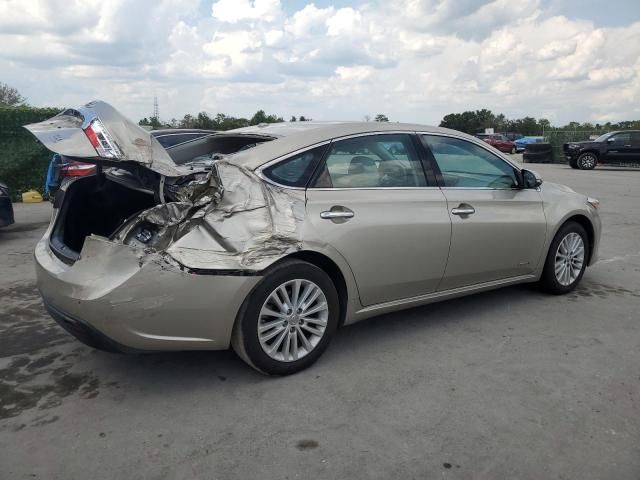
{"points": [[10, 97], [258, 118], [293, 118], [381, 118]]}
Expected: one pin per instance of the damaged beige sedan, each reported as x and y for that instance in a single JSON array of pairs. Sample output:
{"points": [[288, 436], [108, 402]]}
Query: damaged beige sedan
{"points": [[269, 238]]}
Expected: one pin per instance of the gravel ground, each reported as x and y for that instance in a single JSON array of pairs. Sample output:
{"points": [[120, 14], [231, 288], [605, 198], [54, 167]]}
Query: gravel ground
{"points": [[506, 384]]}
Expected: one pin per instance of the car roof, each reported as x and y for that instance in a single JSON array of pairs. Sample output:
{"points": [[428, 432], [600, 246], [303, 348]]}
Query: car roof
{"points": [[289, 137]]}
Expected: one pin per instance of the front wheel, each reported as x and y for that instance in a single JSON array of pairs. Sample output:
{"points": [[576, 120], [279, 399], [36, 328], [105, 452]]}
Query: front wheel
{"points": [[587, 161], [566, 260], [288, 320]]}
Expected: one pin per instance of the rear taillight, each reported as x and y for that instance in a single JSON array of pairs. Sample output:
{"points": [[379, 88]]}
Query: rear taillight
{"points": [[101, 140], [77, 169]]}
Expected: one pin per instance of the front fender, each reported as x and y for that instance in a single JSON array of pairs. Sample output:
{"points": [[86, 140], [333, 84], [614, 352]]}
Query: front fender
{"points": [[560, 205]]}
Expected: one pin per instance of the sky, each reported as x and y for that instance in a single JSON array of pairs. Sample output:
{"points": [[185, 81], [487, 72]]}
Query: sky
{"points": [[412, 60]]}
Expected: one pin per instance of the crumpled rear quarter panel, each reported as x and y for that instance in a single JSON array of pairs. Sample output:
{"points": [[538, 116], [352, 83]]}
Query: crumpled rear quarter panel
{"points": [[142, 301]]}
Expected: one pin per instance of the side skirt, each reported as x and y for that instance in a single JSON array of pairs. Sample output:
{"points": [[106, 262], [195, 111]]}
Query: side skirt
{"points": [[395, 305]]}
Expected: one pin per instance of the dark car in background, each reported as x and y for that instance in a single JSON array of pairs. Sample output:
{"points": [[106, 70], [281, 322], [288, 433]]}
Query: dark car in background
{"points": [[63, 170], [610, 148], [498, 141], [6, 208]]}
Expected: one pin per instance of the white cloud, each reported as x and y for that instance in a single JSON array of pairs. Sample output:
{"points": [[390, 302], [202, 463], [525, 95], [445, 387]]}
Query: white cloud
{"points": [[414, 60], [344, 22], [234, 11]]}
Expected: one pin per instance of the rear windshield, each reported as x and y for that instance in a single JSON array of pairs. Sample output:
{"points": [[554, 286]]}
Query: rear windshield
{"points": [[207, 149]]}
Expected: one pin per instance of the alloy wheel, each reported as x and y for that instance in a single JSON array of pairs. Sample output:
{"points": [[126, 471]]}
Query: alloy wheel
{"points": [[569, 259], [293, 320], [588, 161]]}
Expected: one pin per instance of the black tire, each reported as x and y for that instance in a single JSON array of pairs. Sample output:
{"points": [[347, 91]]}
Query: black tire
{"points": [[587, 161], [245, 339], [548, 281], [573, 163]]}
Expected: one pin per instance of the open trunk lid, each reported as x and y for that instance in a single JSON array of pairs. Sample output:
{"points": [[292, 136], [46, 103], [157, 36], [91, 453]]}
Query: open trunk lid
{"points": [[98, 133]]}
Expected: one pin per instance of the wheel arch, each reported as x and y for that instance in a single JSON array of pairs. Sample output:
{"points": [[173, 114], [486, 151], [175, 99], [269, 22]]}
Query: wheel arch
{"points": [[590, 150], [585, 223], [331, 268]]}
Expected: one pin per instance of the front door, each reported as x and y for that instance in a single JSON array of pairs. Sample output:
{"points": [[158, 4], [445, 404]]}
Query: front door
{"points": [[498, 229], [371, 202]]}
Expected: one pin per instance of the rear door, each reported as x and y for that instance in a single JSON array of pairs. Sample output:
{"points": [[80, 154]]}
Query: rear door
{"points": [[619, 148], [498, 230], [371, 201]]}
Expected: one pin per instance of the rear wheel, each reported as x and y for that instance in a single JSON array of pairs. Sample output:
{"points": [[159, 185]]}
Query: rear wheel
{"points": [[587, 161], [288, 320], [566, 260]]}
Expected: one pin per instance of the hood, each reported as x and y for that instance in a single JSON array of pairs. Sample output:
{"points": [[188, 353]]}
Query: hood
{"points": [[584, 143], [98, 133]]}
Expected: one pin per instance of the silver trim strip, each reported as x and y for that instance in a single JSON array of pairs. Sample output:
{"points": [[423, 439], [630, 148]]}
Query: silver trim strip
{"points": [[366, 134], [481, 144], [477, 142]]}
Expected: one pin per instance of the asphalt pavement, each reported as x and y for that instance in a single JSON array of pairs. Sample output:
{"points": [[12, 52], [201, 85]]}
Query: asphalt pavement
{"points": [[507, 384]]}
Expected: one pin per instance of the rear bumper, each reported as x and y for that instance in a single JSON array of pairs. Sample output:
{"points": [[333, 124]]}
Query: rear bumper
{"points": [[6, 212], [85, 332], [115, 299]]}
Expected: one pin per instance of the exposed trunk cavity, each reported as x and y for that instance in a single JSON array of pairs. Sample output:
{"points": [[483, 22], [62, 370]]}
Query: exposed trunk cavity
{"points": [[224, 219]]}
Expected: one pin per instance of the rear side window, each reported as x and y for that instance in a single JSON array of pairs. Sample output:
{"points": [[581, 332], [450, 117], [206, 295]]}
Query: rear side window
{"points": [[297, 170], [372, 161]]}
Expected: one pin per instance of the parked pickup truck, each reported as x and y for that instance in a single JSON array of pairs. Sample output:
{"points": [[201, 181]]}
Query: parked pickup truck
{"points": [[612, 147]]}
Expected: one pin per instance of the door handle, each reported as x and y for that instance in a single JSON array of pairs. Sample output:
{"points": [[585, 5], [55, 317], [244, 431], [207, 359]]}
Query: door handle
{"points": [[331, 214], [463, 209]]}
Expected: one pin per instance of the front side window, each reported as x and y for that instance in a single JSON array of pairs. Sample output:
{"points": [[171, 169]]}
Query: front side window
{"points": [[372, 161], [297, 170], [623, 138], [465, 164]]}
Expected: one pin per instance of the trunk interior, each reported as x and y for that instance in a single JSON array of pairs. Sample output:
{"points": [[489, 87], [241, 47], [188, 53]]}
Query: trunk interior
{"points": [[99, 204], [93, 205]]}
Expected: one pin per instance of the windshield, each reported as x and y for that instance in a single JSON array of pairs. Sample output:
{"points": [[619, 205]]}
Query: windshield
{"points": [[602, 138]]}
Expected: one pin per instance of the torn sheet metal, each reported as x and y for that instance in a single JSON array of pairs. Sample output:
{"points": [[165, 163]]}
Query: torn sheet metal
{"points": [[65, 134], [228, 220]]}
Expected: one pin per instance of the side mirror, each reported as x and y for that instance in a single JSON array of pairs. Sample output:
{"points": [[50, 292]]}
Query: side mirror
{"points": [[531, 179], [611, 139]]}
